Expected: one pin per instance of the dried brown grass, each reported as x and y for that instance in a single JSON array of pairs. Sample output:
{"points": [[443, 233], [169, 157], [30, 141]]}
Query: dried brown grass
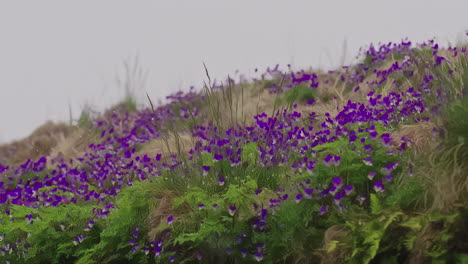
{"points": [[339, 254], [167, 145], [158, 216], [39, 143], [420, 135]]}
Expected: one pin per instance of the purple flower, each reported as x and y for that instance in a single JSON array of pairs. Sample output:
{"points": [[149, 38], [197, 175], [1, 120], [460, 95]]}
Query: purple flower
{"points": [[308, 193], [323, 209], [298, 198], [336, 160], [201, 206], [348, 189], [327, 160], [378, 186], [388, 177], [371, 175], [135, 232], [171, 258], [337, 182], [221, 181], [259, 256], [232, 210], [361, 199], [390, 167], [339, 196], [367, 161], [285, 197], [214, 207], [206, 169], [244, 252], [170, 219]]}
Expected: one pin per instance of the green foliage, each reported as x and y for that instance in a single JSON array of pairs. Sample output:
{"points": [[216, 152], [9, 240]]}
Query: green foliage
{"points": [[455, 125], [113, 244], [49, 242], [129, 103], [85, 119], [376, 207], [295, 231], [352, 169], [209, 229], [300, 93], [250, 153], [368, 235]]}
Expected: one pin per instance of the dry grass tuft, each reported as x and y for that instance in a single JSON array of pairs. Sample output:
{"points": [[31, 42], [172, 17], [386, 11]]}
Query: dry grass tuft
{"points": [[158, 216], [420, 135], [168, 145], [423, 243], [74, 145], [339, 254], [39, 143]]}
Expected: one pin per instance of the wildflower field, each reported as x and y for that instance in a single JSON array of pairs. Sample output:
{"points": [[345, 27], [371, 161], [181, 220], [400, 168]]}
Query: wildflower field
{"points": [[364, 164]]}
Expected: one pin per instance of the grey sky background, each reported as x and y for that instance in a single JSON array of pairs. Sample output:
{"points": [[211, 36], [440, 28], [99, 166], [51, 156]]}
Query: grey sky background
{"points": [[59, 53]]}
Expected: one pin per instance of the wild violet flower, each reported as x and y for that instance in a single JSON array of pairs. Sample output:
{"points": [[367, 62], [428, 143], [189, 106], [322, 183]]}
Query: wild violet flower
{"points": [[157, 251], [170, 220], [336, 160], [135, 232], [214, 207], [171, 259], [221, 181], [78, 239], [371, 175], [89, 226], [206, 170], [298, 198], [348, 189], [388, 177], [327, 160], [361, 199], [232, 210], [308, 193], [337, 182], [367, 161], [390, 167], [378, 186], [259, 256], [134, 249], [244, 253], [218, 157], [201, 206], [323, 209]]}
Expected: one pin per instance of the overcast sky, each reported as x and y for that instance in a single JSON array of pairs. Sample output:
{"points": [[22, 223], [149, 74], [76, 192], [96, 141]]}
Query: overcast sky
{"points": [[56, 54]]}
